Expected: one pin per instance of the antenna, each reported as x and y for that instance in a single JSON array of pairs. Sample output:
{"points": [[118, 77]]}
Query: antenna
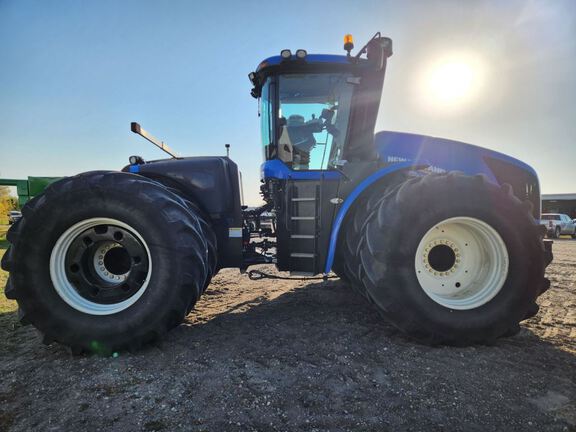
{"points": [[137, 129], [227, 150]]}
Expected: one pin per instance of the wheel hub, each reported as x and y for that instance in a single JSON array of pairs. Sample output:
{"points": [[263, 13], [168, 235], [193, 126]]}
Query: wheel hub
{"points": [[441, 257], [112, 262]]}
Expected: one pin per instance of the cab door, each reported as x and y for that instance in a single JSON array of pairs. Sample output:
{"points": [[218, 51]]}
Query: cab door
{"points": [[311, 123]]}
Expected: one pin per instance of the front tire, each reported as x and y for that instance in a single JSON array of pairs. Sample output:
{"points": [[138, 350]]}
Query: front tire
{"points": [[453, 259], [105, 261]]}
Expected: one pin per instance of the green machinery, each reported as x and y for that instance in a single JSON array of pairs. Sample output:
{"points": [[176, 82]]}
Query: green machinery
{"points": [[28, 189]]}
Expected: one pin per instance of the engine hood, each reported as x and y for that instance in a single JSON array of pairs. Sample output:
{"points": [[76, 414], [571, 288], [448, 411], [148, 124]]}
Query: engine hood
{"points": [[441, 154]]}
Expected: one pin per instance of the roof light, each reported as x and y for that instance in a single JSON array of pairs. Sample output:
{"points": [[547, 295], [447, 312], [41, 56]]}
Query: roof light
{"points": [[301, 53], [136, 160], [286, 53], [348, 43]]}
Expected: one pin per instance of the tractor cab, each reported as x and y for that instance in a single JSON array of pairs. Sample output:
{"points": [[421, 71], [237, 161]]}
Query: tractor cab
{"points": [[317, 117], [313, 106]]}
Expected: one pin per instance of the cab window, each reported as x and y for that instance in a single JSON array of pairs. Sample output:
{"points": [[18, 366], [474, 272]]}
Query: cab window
{"points": [[312, 119]]}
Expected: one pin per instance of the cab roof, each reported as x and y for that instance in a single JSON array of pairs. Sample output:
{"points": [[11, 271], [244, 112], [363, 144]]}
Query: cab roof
{"points": [[310, 59]]}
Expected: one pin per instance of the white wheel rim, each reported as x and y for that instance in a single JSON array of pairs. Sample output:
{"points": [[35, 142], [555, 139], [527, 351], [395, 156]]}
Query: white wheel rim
{"points": [[461, 263], [65, 288]]}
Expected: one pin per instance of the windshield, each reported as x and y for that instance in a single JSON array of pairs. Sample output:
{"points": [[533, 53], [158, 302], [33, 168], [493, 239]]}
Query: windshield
{"points": [[309, 127]]}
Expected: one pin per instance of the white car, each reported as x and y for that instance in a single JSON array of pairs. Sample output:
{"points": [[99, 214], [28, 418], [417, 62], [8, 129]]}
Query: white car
{"points": [[558, 224]]}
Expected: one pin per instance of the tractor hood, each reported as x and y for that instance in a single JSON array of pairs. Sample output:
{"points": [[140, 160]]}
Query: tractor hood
{"points": [[447, 155]]}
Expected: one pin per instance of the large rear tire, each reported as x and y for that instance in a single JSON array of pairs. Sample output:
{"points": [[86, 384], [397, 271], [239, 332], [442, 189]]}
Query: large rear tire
{"points": [[105, 261], [453, 259]]}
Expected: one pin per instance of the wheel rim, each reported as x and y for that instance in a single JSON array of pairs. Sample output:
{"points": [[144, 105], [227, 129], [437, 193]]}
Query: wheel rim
{"points": [[461, 263], [100, 266]]}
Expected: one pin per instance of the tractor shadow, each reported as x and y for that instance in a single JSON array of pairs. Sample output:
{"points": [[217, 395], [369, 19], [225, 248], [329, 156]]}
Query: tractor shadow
{"points": [[322, 319]]}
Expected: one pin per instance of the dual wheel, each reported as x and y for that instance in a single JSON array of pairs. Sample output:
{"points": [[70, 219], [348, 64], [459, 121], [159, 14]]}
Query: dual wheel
{"points": [[447, 258], [105, 261]]}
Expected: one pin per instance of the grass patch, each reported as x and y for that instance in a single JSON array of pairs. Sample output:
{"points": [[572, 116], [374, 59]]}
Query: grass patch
{"points": [[3, 241]]}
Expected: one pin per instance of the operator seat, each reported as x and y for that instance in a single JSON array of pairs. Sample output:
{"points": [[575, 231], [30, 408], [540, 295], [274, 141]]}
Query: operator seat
{"points": [[302, 139], [285, 147]]}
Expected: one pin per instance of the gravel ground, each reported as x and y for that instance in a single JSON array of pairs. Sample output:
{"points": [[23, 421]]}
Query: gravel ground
{"points": [[285, 355]]}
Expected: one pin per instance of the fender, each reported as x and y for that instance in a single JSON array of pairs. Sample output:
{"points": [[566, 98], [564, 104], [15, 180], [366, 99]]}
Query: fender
{"points": [[351, 199]]}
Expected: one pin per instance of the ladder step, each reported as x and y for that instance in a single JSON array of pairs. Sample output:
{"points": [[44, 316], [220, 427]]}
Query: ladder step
{"points": [[303, 218], [302, 255], [303, 199], [302, 236]]}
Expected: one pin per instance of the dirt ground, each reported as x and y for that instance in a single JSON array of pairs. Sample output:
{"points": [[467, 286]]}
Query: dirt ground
{"points": [[285, 355]]}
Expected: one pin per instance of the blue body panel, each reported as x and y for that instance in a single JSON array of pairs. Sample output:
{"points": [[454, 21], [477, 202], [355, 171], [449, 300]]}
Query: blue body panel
{"points": [[277, 169], [441, 154]]}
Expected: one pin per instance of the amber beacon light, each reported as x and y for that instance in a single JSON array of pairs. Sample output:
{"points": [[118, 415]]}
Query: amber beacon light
{"points": [[348, 43]]}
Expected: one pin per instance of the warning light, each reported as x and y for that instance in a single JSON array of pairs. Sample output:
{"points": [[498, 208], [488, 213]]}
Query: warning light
{"points": [[348, 43]]}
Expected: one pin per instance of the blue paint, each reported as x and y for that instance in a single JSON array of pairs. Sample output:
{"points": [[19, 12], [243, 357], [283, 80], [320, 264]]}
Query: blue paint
{"points": [[134, 169], [277, 169], [363, 185], [441, 154]]}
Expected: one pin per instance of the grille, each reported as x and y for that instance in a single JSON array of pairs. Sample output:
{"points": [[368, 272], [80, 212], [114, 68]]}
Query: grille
{"points": [[524, 184]]}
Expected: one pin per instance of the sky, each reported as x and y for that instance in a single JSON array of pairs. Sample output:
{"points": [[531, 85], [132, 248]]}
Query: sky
{"points": [[74, 74]]}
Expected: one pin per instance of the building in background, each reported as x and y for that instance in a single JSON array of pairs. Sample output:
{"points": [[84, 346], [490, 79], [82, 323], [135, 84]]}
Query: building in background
{"points": [[560, 203]]}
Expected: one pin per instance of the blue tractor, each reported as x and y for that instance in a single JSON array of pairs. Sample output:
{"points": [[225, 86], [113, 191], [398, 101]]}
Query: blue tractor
{"points": [[441, 236]]}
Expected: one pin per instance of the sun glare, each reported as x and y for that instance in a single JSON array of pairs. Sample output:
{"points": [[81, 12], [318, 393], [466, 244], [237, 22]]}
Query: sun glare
{"points": [[452, 83]]}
